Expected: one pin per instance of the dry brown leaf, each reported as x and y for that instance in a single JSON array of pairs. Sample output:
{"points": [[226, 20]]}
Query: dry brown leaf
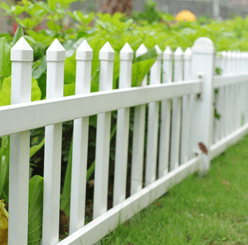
{"points": [[203, 148]]}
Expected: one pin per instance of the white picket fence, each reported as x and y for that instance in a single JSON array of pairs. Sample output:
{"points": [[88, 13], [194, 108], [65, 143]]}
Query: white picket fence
{"points": [[190, 95]]}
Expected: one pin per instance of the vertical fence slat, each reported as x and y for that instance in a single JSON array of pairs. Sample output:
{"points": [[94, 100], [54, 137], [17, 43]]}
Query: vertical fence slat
{"points": [[138, 137], [153, 117], [232, 95], [165, 116], [222, 98], [203, 63], [228, 97], [176, 111], [186, 109], [84, 57], [239, 91], [126, 57], [106, 57], [217, 104], [246, 88], [21, 57], [55, 57]]}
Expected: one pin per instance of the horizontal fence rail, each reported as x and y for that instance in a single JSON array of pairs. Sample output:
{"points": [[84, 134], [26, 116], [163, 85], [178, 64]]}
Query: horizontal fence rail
{"points": [[41, 113], [194, 107]]}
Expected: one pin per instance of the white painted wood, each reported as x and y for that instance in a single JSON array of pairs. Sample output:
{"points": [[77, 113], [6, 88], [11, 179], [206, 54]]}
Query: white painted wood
{"points": [[186, 110], [138, 137], [203, 63], [164, 144], [239, 91], [235, 112], [84, 55], [98, 228], [229, 97], [122, 133], [176, 111], [41, 113], [229, 79], [222, 94], [106, 57], [153, 116], [21, 57], [231, 139], [232, 95], [216, 128], [246, 86], [55, 56]]}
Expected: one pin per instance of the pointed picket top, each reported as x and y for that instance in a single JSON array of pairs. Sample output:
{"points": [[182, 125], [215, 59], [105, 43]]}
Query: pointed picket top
{"points": [[234, 53], [229, 54], [178, 55], [21, 51], [224, 54], [126, 52], [55, 52], [159, 52], [188, 54], [168, 54], [107, 52], [203, 45], [84, 51], [141, 50]]}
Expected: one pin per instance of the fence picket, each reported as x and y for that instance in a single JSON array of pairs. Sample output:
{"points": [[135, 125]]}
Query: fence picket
{"points": [[122, 133], [55, 56], [186, 109], [106, 57], [165, 116], [84, 55], [222, 92], [138, 137], [21, 57], [153, 117], [229, 97], [176, 111]]}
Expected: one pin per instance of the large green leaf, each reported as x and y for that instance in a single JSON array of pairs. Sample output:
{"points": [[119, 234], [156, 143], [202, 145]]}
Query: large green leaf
{"points": [[4, 168], [5, 64], [35, 209], [19, 33], [5, 92]]}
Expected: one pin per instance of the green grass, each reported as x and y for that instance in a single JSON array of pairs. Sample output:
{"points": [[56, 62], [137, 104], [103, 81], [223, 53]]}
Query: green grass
{"points": [[209, 210]]}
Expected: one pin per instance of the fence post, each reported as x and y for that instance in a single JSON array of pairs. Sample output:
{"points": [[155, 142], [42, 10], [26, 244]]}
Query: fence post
{"points": [[138, 137], [21, 57], [202, 112], [84, 55], [126, 58], [55, 56], [165, 116], [106, 57]]}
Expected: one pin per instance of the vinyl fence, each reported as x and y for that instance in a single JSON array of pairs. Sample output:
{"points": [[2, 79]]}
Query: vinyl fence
{"points": [[184, 97]]}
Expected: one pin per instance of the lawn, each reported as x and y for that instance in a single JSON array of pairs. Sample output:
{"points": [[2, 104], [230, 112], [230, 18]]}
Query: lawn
{"points": [[209, 210]]}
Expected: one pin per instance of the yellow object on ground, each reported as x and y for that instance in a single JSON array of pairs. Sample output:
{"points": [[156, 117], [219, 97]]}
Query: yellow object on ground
{"points": [[185, 15], [4, 217]]}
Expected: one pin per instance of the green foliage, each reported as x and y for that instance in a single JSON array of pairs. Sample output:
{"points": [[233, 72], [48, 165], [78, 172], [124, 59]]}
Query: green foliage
{"points": [[150, 13], [5, 65], [5, 92], [35, 206]]}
